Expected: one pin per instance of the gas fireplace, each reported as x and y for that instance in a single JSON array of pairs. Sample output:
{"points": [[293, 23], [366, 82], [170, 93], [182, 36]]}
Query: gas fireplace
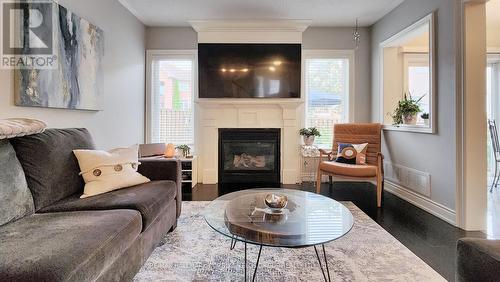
{"points": [[249, 156]]}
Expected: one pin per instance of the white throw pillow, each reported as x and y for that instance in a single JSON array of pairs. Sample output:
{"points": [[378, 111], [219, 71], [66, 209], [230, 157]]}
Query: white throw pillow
{"points": [[105, 171], [17, 127]]}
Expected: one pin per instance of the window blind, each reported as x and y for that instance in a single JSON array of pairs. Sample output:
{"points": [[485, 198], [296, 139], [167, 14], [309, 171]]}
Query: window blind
{"points": [[172, 101], [327, 90]]}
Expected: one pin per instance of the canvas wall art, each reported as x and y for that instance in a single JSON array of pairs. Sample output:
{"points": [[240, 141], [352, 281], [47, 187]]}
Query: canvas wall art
{"points": [[77, 81]]}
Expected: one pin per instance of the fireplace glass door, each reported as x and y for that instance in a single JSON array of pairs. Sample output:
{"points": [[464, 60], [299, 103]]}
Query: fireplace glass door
{"points": [[249, 156]]}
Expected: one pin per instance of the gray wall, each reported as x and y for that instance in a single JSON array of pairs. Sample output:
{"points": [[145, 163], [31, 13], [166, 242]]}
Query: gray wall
{"points": [[171, 38], [121, 123], [314, 38], [436, 153]]}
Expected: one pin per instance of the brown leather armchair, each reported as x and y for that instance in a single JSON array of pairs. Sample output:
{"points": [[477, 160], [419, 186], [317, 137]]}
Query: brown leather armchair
{"points": [[355, 133]]}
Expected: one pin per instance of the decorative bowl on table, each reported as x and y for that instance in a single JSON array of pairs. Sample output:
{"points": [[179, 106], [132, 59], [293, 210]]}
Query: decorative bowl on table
{"points": [[276, 202]]}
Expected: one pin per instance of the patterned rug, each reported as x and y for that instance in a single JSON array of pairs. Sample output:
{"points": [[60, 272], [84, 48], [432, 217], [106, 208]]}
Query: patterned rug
{"points": [[195, 252]]}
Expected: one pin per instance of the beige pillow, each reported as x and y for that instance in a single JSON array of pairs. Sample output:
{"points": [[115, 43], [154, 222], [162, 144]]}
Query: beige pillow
{"points": [[16, 127], [105, 171]]}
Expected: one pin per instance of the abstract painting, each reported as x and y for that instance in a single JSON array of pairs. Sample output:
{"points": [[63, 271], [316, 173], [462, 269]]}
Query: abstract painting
{"points": [[77, 81]]}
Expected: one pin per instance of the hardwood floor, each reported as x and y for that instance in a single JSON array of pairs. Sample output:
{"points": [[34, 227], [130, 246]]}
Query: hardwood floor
{"points": [[429, 237]]}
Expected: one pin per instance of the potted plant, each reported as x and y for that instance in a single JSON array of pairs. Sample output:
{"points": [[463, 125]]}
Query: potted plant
{"points": [[185, 149], [425, 117], [407, 110], [308, 135]]}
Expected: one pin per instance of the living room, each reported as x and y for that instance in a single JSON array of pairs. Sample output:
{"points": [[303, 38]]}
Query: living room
{"points": [[249, 140]]}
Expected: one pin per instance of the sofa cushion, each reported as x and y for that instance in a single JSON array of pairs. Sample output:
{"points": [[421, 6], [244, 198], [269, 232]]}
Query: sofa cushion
{"points": [[66, 246], [149, 199], [50, 166], [15, 197], [478, 259]]}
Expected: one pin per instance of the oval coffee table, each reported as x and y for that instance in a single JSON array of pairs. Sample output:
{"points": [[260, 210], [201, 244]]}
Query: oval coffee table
{"points": [[308, 220]]}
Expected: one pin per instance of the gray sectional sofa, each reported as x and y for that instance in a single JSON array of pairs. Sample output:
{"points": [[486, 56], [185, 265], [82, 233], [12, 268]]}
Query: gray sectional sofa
{"points": [[478, 260], [53, 235]]}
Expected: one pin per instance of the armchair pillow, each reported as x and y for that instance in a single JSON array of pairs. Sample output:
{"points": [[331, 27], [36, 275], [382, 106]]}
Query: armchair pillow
{"points": [[105, 171], [352, 153]]}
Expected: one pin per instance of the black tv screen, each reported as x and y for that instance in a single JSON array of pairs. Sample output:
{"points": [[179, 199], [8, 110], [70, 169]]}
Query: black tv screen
{"points": [[249, 70]]}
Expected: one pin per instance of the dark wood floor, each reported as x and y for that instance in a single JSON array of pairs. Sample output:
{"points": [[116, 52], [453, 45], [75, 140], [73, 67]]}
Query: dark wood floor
{"points": [[429, 237]]}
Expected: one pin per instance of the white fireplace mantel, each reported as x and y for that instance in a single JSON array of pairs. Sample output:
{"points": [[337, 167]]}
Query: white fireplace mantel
{"points": [[255, 102], [215, 114]]}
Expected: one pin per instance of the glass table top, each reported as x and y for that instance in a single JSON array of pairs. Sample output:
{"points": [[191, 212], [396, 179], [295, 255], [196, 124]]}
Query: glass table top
{"points": [[308, 219]]}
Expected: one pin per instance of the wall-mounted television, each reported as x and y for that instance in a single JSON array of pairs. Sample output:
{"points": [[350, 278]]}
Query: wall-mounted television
{"points": [[249, 70]]}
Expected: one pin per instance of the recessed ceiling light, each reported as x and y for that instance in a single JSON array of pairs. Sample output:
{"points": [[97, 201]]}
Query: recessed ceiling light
{"points": [[232, 70], [244, 70], [277, 63], [271, 68], [223, 70]]}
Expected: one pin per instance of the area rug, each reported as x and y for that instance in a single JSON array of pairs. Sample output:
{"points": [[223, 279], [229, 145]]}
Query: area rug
{"points": [[195, 252]]}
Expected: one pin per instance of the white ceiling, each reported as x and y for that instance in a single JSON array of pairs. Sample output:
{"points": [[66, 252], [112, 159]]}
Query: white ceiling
{"points": [[321, 12]]}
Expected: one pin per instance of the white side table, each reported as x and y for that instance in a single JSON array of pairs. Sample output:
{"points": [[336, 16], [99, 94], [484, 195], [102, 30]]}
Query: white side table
{"points": [[309, 161], [189, 173]]}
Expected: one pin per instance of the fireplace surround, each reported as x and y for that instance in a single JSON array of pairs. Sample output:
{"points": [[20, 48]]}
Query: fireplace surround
{"points": [[249, 156]]}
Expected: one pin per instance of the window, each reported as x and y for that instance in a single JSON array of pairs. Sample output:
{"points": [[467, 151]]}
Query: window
{"points": [[492, 102], [416, 72], [493, 87], [327, 86], [171, 86], [489, 87]]}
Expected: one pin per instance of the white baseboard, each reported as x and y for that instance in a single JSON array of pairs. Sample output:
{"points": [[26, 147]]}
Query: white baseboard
{"points": [[422, 202]]}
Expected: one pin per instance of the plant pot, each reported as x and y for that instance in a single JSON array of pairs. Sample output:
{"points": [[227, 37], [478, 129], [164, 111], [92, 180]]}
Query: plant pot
{"points": [[178, 153], [426, 122], [308, 140], [410, 119]]}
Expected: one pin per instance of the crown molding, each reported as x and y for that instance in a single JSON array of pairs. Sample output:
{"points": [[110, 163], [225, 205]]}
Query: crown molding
{"points": [[250, 31], [493, 50], [250, 25], [133, 11]]}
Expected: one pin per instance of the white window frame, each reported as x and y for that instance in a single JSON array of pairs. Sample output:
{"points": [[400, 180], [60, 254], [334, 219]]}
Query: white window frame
{"points": [[152, 55], [331, 54], [431, 129]]}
